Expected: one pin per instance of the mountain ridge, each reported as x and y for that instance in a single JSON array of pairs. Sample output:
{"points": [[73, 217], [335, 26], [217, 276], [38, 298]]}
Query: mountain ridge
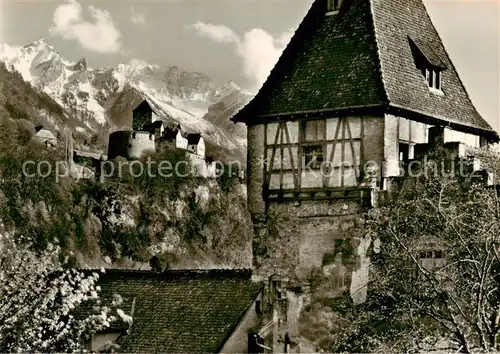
{"points": [[103, 98]]}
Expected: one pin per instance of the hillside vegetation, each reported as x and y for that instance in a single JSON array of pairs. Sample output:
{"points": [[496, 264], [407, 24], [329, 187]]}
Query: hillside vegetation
{"points": [[130, 222]]}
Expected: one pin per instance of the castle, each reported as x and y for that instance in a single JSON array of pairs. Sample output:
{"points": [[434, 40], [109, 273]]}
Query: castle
{"points": [[150, 133], [362, 88]]}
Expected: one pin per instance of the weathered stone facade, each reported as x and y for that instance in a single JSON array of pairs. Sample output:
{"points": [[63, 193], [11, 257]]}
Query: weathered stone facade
{"points": [[130, 144], [297, 236]]}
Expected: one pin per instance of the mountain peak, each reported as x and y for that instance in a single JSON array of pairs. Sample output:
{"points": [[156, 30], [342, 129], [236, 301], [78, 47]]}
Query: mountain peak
{"points": [[42, 42], [232, 84], [40, 45], [80, 65]]}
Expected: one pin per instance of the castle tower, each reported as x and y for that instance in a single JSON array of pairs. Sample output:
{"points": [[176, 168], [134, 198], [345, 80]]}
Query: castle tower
{"points": [[143, 115], [356, 90]]}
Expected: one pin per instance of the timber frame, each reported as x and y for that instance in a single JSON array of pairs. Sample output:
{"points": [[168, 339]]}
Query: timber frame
{"points": [[334, 147]]}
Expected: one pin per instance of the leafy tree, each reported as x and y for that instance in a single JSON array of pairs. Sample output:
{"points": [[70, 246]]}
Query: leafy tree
{"points": [[435, 270]]}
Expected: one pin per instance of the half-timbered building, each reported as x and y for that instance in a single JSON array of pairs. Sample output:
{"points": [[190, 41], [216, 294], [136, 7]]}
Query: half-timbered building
{"points": [[362, 86]]}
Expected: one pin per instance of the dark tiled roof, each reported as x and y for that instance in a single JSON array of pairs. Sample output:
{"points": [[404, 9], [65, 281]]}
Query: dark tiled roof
{"points": [[155, 124], [189, 311], [145, 105], [193, 139], [330, 62], [395, 20], [362, 57], [428, 52], [170, 134]]}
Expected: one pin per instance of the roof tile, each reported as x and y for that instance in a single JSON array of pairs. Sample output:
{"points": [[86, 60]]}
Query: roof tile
{"points": [[362, 57], [180, 311]]}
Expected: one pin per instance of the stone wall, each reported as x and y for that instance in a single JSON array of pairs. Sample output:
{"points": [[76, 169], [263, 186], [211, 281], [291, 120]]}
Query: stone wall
{"points": [[299, 238], [130, 144], [301, 241]]}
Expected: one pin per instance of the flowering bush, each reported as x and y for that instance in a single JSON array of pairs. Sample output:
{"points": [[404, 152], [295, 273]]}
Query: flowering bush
{"points": [[38, 298]]}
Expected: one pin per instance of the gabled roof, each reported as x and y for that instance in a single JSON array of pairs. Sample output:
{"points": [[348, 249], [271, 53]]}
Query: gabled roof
{"points": [[193, 138], [427, 52], [170, 133], [145, 105], [45, 134], [156, 124], [361, 58], [188, 311]]}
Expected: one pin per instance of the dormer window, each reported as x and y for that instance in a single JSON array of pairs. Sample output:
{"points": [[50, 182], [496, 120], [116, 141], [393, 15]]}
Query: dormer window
{"points": [[429, 62], [333, 6]]}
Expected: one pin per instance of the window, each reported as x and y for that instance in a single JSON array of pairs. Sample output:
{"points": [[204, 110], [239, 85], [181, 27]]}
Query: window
{"points": [[258, 309], [428, 58], [276, 291], [433, 78], [313, 130], [431, 259], [313, 156], [404, 152], [333, 5]]}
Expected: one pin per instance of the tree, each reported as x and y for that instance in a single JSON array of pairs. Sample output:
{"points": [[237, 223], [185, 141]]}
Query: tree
{"points": [[435, 269], [38, 298]]}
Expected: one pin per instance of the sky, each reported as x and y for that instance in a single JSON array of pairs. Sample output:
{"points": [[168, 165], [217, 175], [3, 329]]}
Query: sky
{"points": [[237, 40]]}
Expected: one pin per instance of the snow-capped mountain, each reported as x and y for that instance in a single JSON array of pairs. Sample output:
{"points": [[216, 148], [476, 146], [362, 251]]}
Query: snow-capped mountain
{"points": [[103, 99]]}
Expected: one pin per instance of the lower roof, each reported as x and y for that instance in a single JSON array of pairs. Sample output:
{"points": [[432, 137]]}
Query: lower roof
{"points": [[188, 311]]}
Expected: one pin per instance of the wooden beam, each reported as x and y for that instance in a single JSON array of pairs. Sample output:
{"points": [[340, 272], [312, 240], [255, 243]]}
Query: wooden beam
{"points": [[344, 120], [309, 143], [264, 163], [299, 154], [295, 180], [353, 152], [282, 126], [362, 149], [273, 154]]}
